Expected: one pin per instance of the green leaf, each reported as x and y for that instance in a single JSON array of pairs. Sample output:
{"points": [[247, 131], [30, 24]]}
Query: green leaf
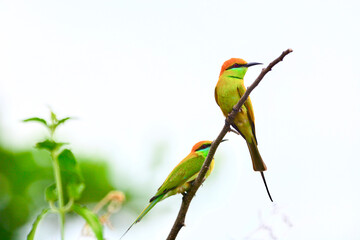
{"points": [[75, 190], [67, 161], [36, 119], [62, 120], [53, 117], [70, 171], [48, 145], [31, 234], [91, 219], [51, 194]]}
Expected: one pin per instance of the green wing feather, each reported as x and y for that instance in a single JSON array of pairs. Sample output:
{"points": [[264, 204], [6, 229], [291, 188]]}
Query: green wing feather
{"points": [[249, 109], [216, 96], [187, 168]]}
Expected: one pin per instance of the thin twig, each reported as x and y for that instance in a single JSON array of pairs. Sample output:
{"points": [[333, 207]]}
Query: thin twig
{"points": [[180, 220]]}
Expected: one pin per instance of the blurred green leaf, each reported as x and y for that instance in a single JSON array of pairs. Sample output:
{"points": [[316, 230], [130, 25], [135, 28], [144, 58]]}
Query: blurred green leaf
{"points": [[67, 161], [49, 145], [36, 119], [51, 194], [75, 190], [91, 219], [27, 180], [53, 117], [97, 185], [61, 121], [31, 234], [70, 171]]}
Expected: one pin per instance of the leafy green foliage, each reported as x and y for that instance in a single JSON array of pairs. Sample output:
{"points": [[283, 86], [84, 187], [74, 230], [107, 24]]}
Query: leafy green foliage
{"points": [[55, 122], [31, 234], [18, 173], [75, 190], [51, 126], [49, 145], [62, 120], [71, 175], [67, 176], [91, 219], [100, 184], [51, 194], [23, 180], [67, 162], [22, 184], [36, 119]]}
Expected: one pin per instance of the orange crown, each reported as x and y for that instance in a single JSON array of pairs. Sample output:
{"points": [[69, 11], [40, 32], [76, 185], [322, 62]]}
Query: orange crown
{"points": [[231, 62], [197, 145]]}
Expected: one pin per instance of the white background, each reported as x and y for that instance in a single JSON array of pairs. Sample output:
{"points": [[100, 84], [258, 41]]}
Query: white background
{"points": [[139, 74]]}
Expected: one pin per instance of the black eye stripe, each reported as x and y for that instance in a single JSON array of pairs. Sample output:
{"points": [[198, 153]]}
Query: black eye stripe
{"points": [[203, 146], [236, 65]]}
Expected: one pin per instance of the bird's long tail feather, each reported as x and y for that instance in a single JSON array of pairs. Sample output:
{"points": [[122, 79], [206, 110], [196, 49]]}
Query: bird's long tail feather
{"points": [[258, 163], [267, 189], [144, 212]]}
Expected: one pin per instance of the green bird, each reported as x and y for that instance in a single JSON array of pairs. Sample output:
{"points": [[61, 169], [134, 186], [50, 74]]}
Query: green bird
{"points": [[181, 177], [228, 91]]}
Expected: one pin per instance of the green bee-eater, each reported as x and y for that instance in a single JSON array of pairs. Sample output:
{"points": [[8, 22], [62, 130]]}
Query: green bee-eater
{"points": [[228, 91], [181, 177]]}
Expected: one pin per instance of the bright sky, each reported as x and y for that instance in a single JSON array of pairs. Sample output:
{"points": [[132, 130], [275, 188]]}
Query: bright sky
{"points": [[137, 74]]}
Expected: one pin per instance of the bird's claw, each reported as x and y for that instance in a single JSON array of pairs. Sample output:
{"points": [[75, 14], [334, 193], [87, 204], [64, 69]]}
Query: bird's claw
{"points": [[234, 131]]}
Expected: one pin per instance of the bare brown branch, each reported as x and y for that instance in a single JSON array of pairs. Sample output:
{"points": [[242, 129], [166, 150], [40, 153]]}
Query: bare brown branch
{"points": [[180, 220]]}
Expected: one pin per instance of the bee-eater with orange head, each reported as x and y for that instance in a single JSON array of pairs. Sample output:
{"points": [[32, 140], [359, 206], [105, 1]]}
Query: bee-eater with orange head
{"points": [[181, 177], [228, 91]]}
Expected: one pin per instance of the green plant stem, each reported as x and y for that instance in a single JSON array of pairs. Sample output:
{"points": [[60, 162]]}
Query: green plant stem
{"points": [[68, 205], [60, 192], [57, 173]]}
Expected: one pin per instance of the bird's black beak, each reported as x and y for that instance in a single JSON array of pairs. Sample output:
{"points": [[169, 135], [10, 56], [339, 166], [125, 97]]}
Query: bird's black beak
{"points": [[222, 141], [252, 64]]}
